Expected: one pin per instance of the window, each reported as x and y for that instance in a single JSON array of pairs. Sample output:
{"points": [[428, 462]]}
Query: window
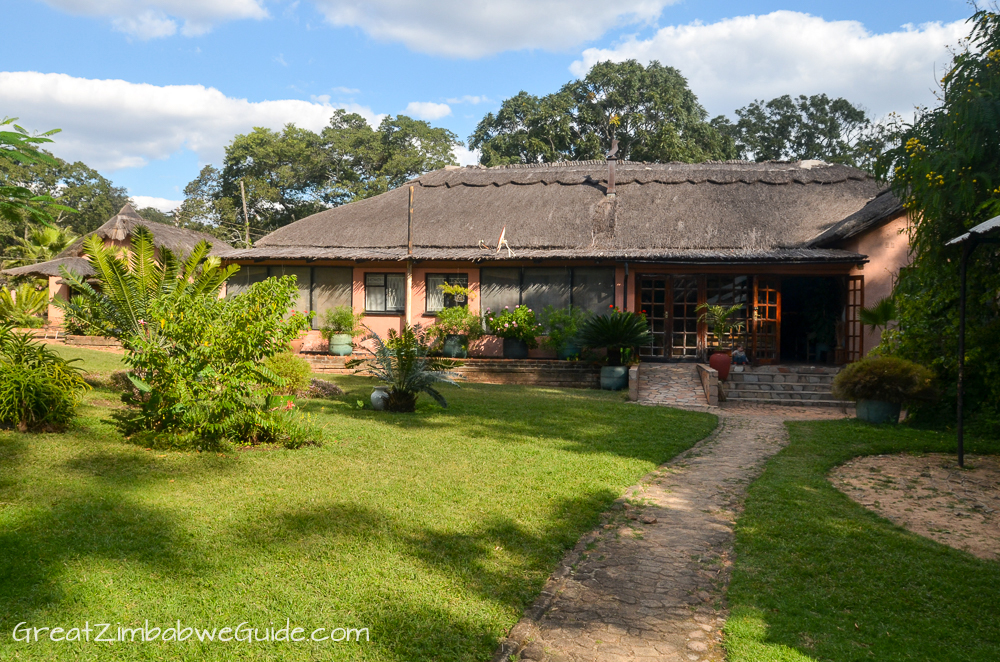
{"points": [[436, 300], [241, 281], [499, 287], [594, 288], [331, 287], [385, 293], [541, 287], [590, 288], [319, 288]]}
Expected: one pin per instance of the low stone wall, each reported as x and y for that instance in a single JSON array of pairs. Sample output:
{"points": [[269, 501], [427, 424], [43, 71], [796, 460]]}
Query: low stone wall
{"points": [[710, 382], [567, 374], [97, 342]]}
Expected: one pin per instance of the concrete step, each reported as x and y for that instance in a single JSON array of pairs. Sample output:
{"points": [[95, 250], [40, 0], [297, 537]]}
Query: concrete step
{"points": [[792, 403], [779, 378], [778, 387], [779, 396]]}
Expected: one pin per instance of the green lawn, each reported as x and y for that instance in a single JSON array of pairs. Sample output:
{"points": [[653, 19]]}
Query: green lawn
{"points": [[818, 577], [91, 360], [433, 530]]}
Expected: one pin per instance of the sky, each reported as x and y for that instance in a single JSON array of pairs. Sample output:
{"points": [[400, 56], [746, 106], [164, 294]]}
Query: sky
{"points": [[149, 91]]}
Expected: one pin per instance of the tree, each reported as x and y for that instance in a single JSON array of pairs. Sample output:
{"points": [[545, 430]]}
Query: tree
{"points": [[946, 170], [40, 244], [17, 201], [650, 110], [814, 127]]}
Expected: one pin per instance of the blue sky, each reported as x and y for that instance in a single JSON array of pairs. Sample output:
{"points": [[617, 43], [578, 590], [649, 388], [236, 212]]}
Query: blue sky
{"points": [[147, 91]]}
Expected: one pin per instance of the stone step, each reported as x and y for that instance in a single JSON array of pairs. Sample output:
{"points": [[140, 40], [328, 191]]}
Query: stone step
{"points": [[779, 396], [798, 369], [779, 378], [780, 387], [793, 403]]}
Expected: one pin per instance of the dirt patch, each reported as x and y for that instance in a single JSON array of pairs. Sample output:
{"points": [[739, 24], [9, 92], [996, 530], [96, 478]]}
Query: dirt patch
{"points": [[931, 496]]}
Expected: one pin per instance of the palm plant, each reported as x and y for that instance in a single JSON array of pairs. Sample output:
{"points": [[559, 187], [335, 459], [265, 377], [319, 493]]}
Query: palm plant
{"points": [[615, 331], [41, 244], [879, 315], [23, 305], [130, 284], [401, 362], [720, 318]]}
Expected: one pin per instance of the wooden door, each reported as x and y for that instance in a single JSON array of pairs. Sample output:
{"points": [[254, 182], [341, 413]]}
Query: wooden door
{"points": [[853, 329], [653, 295], [684, 337], [766, 320]]}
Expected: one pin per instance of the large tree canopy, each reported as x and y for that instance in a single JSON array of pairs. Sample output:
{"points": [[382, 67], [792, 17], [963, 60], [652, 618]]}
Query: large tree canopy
{"points": [[946, 169], [813, 127], [650, 110], [293, 173]]}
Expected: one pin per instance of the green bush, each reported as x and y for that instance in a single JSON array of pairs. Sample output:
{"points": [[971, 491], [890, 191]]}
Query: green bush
{"points": [[885, 378], [296, 372], [615, 330], [39, 390], [23, 306], [562, 325], [457, 321], [342, 320], [517, 324], [401, 361]]}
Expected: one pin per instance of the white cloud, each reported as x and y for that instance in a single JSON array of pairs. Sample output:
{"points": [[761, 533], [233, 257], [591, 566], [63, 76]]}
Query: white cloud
{"points": [[150, 19], [459, 28], [737, 60], [112, 124], [427, 110], [466, 156], [164, 205], [345, 90], [468, 98]]}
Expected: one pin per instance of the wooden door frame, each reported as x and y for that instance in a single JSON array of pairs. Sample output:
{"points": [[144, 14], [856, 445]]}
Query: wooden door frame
{"points": [[777, 321]]}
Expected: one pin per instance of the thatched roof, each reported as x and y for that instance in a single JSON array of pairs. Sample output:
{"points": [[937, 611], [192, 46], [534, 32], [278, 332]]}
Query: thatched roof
{"points": [[883, 207], [120, 226], [676, 211], [75, 265]]}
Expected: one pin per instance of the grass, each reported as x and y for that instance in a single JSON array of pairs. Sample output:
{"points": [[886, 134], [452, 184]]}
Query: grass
{"points": [[434, 530], [818, 577], [91, 360]]}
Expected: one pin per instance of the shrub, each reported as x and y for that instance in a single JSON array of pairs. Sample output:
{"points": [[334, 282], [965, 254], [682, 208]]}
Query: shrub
{"points": [[23, 305], [615, 330], [294, 371], [885, 378], [562, 325], [39, 390], [401, 361], [517, 324], [342, 320], [82, 318], [321, 388], [456, 321]]}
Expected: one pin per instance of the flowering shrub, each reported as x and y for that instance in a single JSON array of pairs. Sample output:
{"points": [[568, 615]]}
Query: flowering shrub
{"points": [[517, 324]]}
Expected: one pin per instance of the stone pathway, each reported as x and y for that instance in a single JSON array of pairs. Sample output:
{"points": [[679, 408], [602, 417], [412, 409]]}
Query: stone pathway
{"points": [[649, 584], [671, 384]]}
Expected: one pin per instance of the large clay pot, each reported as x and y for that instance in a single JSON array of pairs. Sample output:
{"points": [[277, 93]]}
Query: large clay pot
{"points": [[878, 411], [341, 344], [380, 398], [614, 377], [455, 346], [720, 361], [568, 351], [514, 349]]}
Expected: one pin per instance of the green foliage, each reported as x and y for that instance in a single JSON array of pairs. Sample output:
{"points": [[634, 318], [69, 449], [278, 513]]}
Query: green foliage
{"points": [[561, 325], [23, 306], [294, 371], [81, 317], [878, 315], [42, 244], [130, 286], [720, 318], [814, 127], [401, 361], [946, 170], [518, 324], [457, 320], [885, 378], [18, 148], [200, 366], [616, 330], [39, 390], [650, 111], [342, 320]]}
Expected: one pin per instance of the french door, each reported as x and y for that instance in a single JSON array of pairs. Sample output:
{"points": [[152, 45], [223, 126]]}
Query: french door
{"points": [[670, 305], [766, 320]]}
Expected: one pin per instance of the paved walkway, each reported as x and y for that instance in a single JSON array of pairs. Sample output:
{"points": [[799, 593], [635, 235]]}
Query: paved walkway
{"points": [[650, 583]]}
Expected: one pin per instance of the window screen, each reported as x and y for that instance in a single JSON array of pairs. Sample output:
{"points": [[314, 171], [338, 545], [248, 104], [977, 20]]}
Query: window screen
{"points": [[436, 300], [499, 287], [331, 287], [594, 288], [543, 287], [241, 281], [303, 280], [385, 293]]}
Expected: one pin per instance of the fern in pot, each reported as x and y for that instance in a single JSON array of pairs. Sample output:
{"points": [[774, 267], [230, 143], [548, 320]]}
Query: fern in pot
{"points": [[621, 333], [341, 326]]}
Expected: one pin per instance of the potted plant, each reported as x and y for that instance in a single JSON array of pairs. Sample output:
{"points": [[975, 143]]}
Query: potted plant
{"points": [[616, 331], [518, 328], [720, 319], [295, 374], [881, 385], [456, 327], [340, 326], [561, 327]]}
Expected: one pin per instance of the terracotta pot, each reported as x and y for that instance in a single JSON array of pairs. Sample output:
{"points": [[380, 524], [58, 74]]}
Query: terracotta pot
{"points": [[721, 361]]}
